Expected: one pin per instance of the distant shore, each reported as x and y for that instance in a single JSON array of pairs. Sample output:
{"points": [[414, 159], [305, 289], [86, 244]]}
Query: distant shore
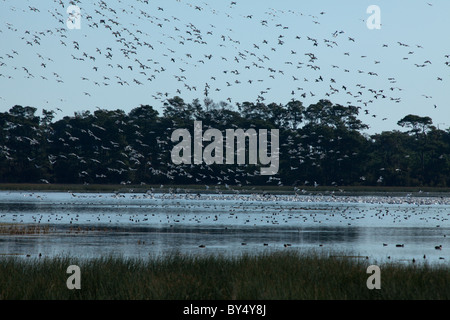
{"points": [[211, 189]]}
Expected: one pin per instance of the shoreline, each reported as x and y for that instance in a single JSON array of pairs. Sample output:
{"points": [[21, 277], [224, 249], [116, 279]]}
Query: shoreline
{"points": [[202, 189]]}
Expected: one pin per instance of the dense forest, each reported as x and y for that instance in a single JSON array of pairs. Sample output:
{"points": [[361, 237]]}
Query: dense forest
{"points": [[322, 144]]}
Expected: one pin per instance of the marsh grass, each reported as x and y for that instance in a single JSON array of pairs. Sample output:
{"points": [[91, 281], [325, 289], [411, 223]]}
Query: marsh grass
{"points": [[28, 229], [268, 276]]}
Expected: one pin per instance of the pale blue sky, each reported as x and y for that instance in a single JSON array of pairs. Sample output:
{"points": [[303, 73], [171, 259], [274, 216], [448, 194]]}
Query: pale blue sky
{"points": [[250, 41]]}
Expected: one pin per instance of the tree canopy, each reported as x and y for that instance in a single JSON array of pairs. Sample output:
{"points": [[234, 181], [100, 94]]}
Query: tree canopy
{"points": [[322, 144]]}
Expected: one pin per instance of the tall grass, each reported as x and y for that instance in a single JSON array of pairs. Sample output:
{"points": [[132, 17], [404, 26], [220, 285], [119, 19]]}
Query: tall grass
{"points": [[268, 276]]}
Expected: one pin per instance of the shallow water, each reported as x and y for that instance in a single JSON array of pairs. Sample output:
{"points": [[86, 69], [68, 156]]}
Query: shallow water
{"points": [[143, 225]]}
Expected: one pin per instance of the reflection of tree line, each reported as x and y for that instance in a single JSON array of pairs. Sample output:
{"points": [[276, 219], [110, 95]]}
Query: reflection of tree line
{"points": [[328, 235], [321, 144], [14, 207]]}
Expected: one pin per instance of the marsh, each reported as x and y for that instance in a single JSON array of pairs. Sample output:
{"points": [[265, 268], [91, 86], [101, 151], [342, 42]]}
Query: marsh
{"points": [[87, 225]]}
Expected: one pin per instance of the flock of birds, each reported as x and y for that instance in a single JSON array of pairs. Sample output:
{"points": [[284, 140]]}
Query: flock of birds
{"points": [[121, 46], [296, 216]]}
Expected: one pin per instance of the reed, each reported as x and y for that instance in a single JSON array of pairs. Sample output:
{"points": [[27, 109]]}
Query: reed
{"points": [[174, 276], [27, 229]]}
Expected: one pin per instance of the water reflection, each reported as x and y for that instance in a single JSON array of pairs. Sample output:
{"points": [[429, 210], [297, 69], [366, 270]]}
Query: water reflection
{"points": [[93, 225]]}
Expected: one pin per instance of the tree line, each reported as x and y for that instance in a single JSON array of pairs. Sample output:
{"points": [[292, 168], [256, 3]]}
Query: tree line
{"points": [[322, 144]]}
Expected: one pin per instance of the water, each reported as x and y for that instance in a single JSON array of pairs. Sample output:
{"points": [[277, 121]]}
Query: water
{"points": [[144, 225]]}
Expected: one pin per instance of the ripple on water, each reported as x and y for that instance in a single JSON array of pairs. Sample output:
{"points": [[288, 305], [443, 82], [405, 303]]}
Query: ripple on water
{"points": [[144, 224]]}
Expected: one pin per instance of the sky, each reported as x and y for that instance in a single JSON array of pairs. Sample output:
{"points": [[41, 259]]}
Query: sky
{"points": [[128, 53]]}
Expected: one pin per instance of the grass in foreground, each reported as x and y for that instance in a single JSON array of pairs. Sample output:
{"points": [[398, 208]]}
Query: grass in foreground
{"points": [[270, 276]]}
